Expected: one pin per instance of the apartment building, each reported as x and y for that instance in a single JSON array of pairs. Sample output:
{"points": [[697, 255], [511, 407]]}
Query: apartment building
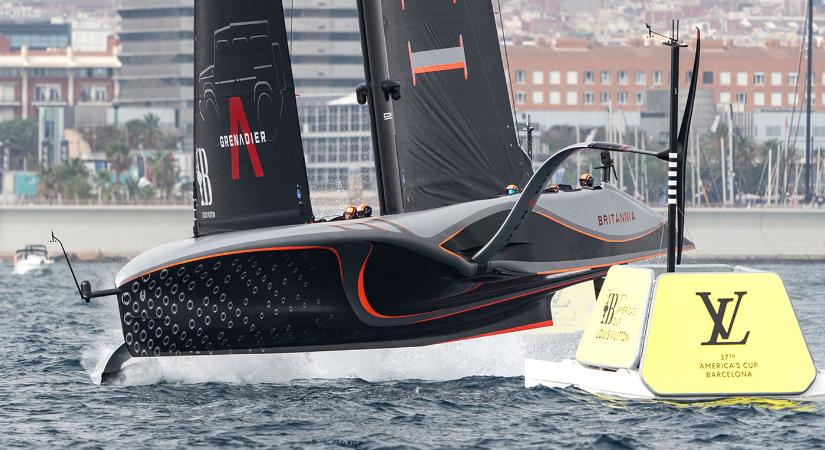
{"points": [[81, 81], [575, 76], [157, 52], [574, 82], [325, 45]]}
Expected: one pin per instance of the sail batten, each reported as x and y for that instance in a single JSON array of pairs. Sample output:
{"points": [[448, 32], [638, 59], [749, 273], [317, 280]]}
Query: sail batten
{"points": [[249, 161]]}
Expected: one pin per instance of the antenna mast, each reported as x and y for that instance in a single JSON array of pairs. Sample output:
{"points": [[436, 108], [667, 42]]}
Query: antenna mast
{"points": [[809, 99], [673, 187]]}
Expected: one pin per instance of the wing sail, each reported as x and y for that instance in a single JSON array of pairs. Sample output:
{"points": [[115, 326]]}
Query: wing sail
{"points": [[249, 160], [455, 136]]}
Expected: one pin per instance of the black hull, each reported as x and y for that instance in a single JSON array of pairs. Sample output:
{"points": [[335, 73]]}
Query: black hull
{"points": [[286, 300], [398, 281]]}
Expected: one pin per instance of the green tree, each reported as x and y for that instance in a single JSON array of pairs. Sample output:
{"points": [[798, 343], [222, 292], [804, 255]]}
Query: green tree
{"points": [[134, 131], [151, 131], [21, 137], [103, 184], [119, 158], [164, 173], [101, 139], [70, 179]]}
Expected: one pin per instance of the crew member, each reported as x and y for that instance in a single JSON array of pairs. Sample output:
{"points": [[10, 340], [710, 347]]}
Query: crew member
{"points": [[586, 181], [511, 190], [350, 213], [364, 211]]}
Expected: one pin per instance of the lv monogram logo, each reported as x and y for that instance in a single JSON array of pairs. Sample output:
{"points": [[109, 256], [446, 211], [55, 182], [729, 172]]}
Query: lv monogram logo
{"points": [[720, 335]]}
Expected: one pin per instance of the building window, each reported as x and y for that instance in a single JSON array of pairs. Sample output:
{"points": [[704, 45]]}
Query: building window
{"points": [[724, 78], [622, 77], [555, 77], [776, 79], [7, 93], [572, 98], [538, 77], [707, 77], [776, 99], [640, 98], [589, 77], [587, 98], [724, 97], [520, 76], [773, 131], [605, 98], [759, 99], [742, 79], [657, 78], [605, 77], [521, 98], [641, 78], [759, 78], [555, 98], [791, 99], [688, 76], [622, 98], [94, 93], [793, 78], [818, 131], [572, 77], [538, 97], [742, 98], [47, 93]]}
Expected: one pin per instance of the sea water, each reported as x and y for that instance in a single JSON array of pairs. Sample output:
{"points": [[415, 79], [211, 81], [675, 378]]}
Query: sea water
{"points": [[468, 394]]}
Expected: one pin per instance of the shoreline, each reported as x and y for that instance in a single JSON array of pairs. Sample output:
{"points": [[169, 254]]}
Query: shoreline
{"points": [[101, 233]]}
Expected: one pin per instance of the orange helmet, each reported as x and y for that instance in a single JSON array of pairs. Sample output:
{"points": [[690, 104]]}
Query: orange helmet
{"points": [[553, 188], [586, 180], [350, 212], [512, 189]]}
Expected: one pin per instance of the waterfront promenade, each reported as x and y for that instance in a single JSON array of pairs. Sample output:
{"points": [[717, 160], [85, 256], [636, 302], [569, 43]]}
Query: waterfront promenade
{"points": [[97, 232]]}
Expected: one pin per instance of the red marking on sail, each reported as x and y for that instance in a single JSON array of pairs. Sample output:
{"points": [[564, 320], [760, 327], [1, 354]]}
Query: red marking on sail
{"points": [[237, 116], [438, 60]]}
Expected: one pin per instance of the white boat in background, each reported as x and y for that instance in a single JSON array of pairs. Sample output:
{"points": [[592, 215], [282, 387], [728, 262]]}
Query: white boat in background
{"points": [[32, 258]]}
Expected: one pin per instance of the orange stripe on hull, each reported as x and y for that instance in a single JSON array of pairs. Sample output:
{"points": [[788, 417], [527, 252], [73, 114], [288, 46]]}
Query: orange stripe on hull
{"points": [[546, 323]]}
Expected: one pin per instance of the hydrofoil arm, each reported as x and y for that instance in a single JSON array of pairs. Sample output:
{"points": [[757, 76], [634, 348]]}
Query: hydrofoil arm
{"points": [[535, 187]]}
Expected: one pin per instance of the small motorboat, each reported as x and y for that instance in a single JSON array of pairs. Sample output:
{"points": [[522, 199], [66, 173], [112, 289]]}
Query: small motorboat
{"points": [[32, 258]]}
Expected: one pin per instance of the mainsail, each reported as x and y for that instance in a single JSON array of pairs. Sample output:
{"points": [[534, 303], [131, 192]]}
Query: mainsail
{"points": [[454, 133], [249, 160]]}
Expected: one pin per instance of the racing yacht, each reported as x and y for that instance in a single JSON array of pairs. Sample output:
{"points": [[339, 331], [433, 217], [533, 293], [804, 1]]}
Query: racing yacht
{"points": [[470, 241]]}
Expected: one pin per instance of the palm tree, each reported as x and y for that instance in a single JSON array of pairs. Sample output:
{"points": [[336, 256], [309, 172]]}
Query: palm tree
{"points": [[164, 172], [151, 130], [102, 182], [119, 159]]}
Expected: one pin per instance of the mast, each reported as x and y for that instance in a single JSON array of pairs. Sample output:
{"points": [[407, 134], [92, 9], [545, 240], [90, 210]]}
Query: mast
{"points": [[809, 82], [673, 183], [377, 77]]}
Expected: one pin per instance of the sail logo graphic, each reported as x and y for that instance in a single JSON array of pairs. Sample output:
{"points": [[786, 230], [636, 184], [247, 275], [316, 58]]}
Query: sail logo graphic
{"points": [[202, 176], [609, 311], [717, 315], [240, 134], [438, 60]]}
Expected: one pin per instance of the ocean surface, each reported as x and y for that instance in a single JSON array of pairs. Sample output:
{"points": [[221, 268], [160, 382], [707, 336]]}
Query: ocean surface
{"points": [[463, 395]]}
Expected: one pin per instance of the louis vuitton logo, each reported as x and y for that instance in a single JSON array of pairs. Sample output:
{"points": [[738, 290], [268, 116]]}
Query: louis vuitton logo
{"points": [[718, 317]]}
